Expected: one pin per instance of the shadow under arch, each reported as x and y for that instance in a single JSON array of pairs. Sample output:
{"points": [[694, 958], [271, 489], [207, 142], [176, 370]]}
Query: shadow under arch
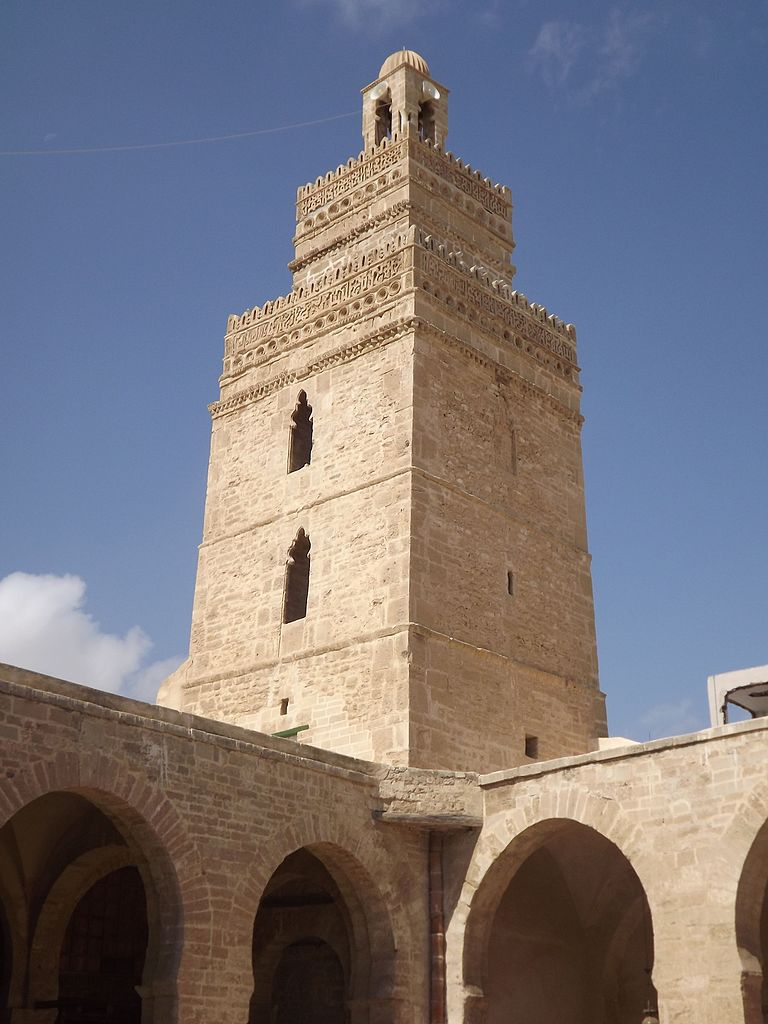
{"points": [[321, 896], [558, 929], [751, 926], [6, 963], [68, 840]]}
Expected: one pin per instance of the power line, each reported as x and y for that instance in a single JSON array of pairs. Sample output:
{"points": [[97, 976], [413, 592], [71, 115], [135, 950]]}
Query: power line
{"points": [[180, 142]]}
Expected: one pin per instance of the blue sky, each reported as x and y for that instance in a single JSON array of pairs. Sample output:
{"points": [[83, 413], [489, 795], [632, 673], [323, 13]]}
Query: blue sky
{"points": [[633, 137]]}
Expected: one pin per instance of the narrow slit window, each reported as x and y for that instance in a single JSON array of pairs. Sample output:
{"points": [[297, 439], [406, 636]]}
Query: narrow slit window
{"points": [[297, 579], [284, 706], [531, 746], [300, 452], [513, 451], [511, 583]]}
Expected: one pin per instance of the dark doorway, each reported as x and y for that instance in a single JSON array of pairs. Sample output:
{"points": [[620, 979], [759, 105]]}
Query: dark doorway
{"points": [[304, 954], [102, 959], [308, 986], [5, 965]]}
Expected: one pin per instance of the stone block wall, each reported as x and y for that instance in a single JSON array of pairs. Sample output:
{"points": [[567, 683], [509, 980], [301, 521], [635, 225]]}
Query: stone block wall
{"points": [[209, 811]]}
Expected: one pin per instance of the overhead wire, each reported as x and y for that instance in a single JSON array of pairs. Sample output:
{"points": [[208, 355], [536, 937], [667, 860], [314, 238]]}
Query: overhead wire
{"points": [[178, 142]]}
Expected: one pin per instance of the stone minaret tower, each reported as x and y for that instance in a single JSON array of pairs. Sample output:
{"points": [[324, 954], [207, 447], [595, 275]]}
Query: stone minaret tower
{"points": [[394, 551]]}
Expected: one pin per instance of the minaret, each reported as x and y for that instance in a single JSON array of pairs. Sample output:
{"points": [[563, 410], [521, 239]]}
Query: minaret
{"points": [[394, 561]]}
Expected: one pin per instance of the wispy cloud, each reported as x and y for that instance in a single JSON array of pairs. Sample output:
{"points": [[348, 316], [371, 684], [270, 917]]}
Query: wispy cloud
{"points": [[585, 61], [556, 51], [376, 14], [44, 627], [673, 719]]}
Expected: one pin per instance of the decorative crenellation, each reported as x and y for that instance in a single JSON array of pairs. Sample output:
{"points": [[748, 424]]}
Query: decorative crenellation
{"points": [[496, 199], [358, 171], [474, 284], [347, 177], [260, 334], [332, 277]]}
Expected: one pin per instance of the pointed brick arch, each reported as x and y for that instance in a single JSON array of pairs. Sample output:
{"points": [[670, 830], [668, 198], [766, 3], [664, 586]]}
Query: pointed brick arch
{"points": [[508, 838], [157, 843], [354, 861], [617, 913]]}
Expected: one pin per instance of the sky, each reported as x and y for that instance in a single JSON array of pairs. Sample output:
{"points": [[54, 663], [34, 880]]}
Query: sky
{"points": [[633, 137]]}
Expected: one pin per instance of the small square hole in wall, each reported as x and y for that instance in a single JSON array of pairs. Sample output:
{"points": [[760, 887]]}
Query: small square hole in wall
{"points": [[284, 706], [511, 583], [531, 746]]}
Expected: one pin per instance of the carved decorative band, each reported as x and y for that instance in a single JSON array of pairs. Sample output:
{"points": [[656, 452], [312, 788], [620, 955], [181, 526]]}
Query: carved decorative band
{"points": [[297, 314], [461, 287], [377, 339], [458, 175], [347, 180], [364, 228]]}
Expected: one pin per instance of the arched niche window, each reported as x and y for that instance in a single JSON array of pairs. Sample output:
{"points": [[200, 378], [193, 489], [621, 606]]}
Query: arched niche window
{"points": [[427, 121], [383, 118], [300, 451], [297, 579]]}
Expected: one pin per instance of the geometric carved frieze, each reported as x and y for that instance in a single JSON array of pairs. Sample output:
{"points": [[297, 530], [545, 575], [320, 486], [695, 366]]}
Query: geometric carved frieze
{"points": [[495, 299], [357, 172], [364, 226], [347, 178], [494, 198], [278, 326]]}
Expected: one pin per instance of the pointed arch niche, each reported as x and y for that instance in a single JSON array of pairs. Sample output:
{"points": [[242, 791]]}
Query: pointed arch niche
{"points": [[296, 592], [300, 446], [323, 951], [560, 930]]}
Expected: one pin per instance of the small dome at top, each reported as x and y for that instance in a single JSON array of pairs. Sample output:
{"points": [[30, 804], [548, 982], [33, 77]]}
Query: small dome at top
{"points": [[394, 60]]}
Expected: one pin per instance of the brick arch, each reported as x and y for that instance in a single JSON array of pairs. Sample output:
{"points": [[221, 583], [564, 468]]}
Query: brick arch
{"points": [[353, 860], [169, 863], [500, 852], [65, 894]]}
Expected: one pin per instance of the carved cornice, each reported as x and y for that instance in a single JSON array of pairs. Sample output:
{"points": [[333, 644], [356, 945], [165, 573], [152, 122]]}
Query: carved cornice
{"points": [[344, 354], [378, 339], [503, 373], [351, 236]]}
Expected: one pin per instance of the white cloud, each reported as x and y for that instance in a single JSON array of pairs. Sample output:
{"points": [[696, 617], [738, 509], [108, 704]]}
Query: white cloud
{"points": [[43, 627], [673, 719], [587, 61]]}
